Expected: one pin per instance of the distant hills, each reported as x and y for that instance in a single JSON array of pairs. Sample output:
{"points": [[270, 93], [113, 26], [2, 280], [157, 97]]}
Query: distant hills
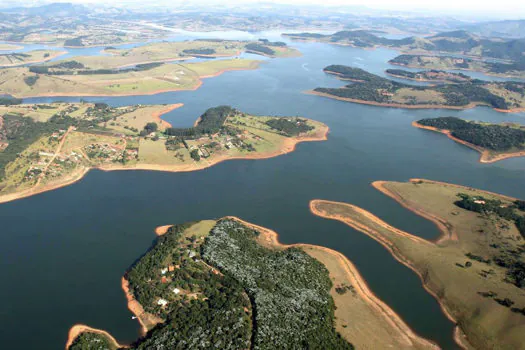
{"points": [[505, 29], [61, 9]]}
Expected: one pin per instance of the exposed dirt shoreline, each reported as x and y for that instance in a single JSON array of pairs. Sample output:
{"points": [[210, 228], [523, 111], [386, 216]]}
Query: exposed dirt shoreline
{"points": [[485, 155], [459, 335], [288, 146], [78, 329]]}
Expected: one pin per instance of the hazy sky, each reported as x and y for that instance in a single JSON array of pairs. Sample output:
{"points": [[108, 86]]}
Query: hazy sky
{"points": [[505, 8]]}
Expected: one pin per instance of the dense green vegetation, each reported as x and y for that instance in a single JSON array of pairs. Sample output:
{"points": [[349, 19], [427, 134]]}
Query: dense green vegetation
{"points": [[507, 257], [273, 43], [289, 289], [258, 48], [31, 80], [432, 75], [373, 88], [210, 309], [262, 299], [289, 127], [91, 341], [199, 51], [9, 101], [211, 122], [492, 136]]}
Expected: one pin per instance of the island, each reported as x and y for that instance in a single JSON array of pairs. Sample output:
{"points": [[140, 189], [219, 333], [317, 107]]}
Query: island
{"points": [[368, 88], [476, 269], [22, 58], [143, 70], [230, 284], [494, 141], [496, 68], [46, 146]]}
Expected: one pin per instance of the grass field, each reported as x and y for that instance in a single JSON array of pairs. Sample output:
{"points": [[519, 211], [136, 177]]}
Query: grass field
{"points": [[35, 56], [443, 265], [167, 77], [9, 47]]}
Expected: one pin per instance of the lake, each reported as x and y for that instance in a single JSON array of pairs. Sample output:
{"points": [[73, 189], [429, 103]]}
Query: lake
{"points": [[62, 253]]}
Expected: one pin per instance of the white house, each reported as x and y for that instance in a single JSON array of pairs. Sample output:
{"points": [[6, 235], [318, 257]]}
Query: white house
{"points": [[162, 302]]}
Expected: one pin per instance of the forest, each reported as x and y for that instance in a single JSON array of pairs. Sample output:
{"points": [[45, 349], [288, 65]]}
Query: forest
{"points": [[261, 299], [259, 48], [490, 136], [73, 67]]}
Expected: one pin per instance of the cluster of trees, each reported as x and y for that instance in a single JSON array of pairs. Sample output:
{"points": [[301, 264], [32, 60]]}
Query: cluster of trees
{"points": [[91, 341], [149, 128], [289, 289], [211, 122], [492, 136], [74, 41], [463, 94], [10, 101], [258, 48], [289, 127], [30, 80], [199, 51], [272, 43], [438, 75]]}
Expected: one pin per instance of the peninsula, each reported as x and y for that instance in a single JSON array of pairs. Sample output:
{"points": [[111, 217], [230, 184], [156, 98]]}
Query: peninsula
{"points": [[143, 70], [46, 146], [476, 269], [368, 88], [21, 58], [494, 141], [196, 285], [505, 69]]}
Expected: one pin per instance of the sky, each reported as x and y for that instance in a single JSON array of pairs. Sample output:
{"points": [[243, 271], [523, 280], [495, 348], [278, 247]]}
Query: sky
{"points": [[464, 8]]}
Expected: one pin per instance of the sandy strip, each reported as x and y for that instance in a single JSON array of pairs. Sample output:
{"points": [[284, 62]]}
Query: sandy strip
{"points": [[459, 335], [161, 230], [146, 320], [271, 239], [78, 329], [485, 157], [391, 105], [288, 146]]}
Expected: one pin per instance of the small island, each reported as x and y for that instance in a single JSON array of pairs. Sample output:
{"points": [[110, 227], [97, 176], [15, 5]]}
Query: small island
{"points": [[368, 88], [505, 69], [143, 70], [476, 269], [232, 283], [46, 146], [494, 141]]}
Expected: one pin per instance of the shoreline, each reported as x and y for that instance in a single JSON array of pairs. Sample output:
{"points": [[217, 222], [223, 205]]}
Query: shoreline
{"points": [[137, 310], [161, 230], [289, 145], [485, 156], [157, 115], [198, 84], [78, 329], [390, 316], [458, 334], [392, 105]]}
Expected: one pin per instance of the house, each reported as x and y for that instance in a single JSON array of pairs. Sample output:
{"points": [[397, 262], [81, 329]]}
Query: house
{"points": [[171, 268], [163, 271], [478, 201], [176, 290], [162, 302]]}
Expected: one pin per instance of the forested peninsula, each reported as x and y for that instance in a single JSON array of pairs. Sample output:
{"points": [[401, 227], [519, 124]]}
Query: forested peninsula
{"points": [[368, 88], [230, 284], [494, 141]]}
